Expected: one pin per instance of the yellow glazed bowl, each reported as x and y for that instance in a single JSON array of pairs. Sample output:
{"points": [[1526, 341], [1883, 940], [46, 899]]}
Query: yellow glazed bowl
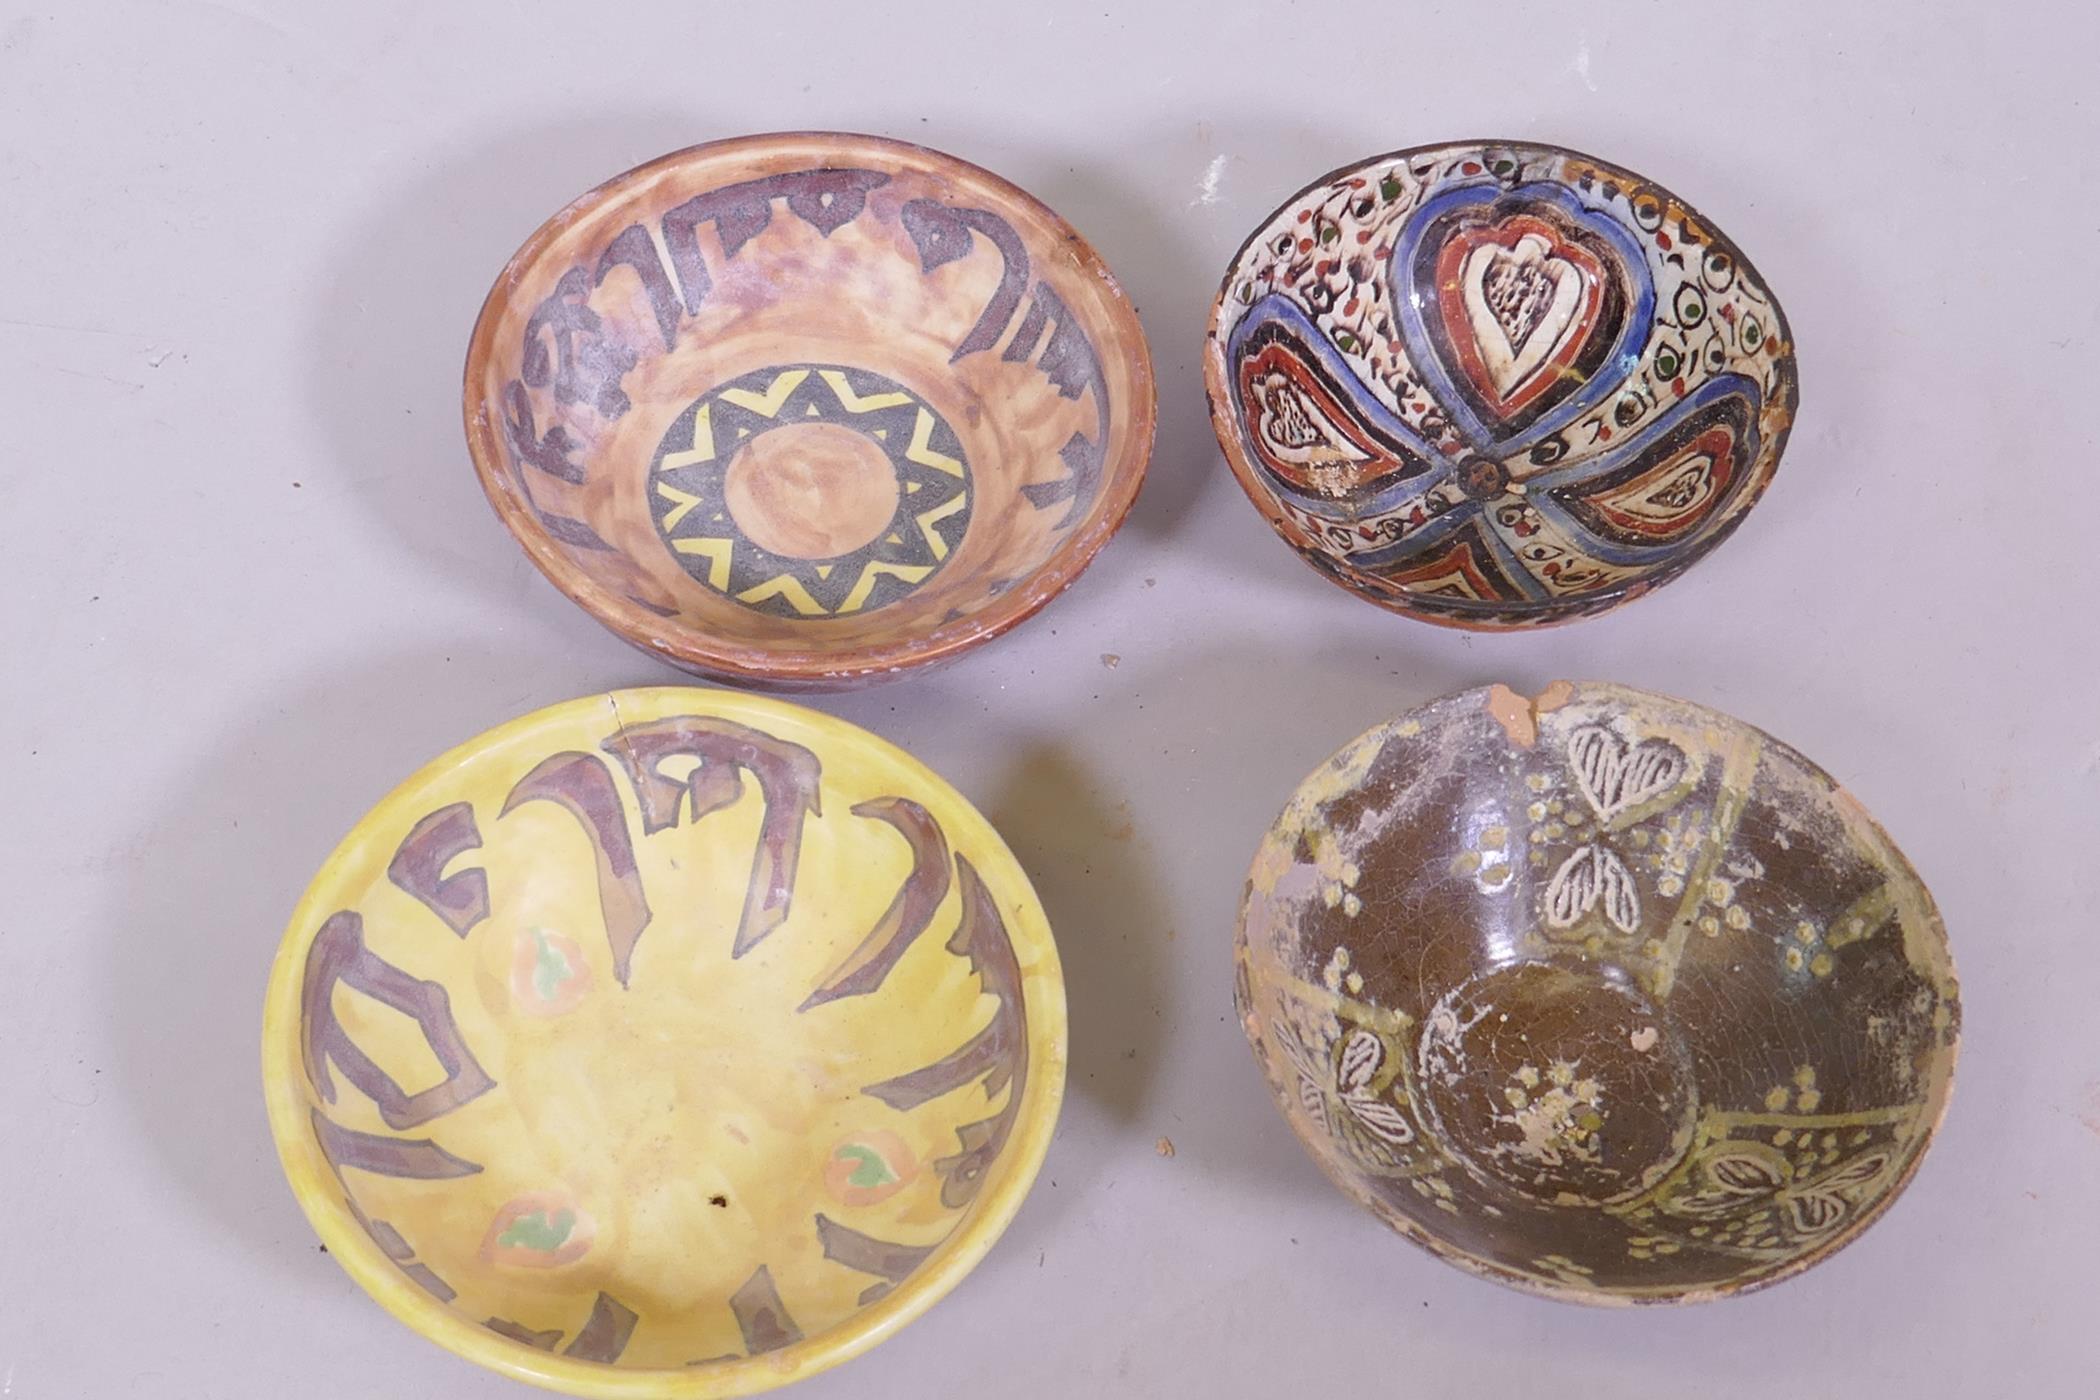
{"points": [[668, 1043]]}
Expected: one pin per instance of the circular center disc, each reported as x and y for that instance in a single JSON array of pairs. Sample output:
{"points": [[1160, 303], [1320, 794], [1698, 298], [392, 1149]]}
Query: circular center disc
{"points": [[811, 490], [1562, 1083]]}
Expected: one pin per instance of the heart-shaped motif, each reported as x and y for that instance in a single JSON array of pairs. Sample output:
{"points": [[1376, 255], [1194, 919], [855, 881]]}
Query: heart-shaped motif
{"points": [[1664, 485], [1520, 304], [1309, 424], [1591, 876], [1617, 777], [1521, 307], [1291, 428], [1362, 1054]]}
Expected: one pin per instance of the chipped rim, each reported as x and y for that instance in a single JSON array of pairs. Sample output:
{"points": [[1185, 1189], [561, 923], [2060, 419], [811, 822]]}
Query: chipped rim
{"points": [[800, 667], [1218, 393], [321, 1197], [1549, 697]]}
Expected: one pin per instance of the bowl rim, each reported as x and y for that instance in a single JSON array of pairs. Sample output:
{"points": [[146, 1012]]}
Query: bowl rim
{"points": [[1591, 605], [1417, 1234], [322, 1198], [696, 649]]}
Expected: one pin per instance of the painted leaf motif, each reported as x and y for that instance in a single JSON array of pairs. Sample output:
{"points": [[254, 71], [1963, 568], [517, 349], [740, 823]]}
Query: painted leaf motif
{"points": [[1362, 1054], [1591, 875], [1816, 1212], [1744, 1174], [1858, 1172], [1296, 1051], [1706, 1204], [1313, 1100], [1572, 892], [1616, 777], [1381, 1119], [1622, 902]]}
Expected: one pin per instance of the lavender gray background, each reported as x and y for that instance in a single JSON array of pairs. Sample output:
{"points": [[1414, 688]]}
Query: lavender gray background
{"points": [[250, 582]]}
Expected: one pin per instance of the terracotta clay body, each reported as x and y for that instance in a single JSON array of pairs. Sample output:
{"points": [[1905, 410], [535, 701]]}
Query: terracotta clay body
{"points": [[665, 1043], [806, 410], [1497, 385], [1606, 995]]}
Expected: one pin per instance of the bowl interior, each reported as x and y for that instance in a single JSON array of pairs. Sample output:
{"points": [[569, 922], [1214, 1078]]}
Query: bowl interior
{"points": [[665, 1030], [1497, 385], [809, 406], [1606, 994]]}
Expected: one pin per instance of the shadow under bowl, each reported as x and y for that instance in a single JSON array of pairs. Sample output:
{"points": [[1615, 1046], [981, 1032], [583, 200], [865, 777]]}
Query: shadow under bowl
{"points": [[807, 410], [1605, 995], [1497, 385], [665, 1043]]}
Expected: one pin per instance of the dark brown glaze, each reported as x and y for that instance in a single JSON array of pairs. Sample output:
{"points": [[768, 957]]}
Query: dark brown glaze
{"points": [[909, 336], [1604, 994]]}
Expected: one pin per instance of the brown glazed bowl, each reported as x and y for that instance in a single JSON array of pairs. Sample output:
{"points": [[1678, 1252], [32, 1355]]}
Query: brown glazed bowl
{"points": [[1604, 995], [1497, 385], [807, 410]]}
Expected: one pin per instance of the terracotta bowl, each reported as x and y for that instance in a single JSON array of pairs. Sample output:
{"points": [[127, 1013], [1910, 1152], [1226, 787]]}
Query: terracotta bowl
{"points": [[807, 410], [667, 1043], [1497, 385], [1604, 995]]}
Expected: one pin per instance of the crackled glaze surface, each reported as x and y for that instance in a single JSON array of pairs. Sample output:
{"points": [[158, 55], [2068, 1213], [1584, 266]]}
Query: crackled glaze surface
{"points": [[1606, 994], [806, 409], [669, 1042], [1497, 385]]}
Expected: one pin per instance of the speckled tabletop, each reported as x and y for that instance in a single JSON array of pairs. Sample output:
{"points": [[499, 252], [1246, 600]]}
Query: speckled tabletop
{"points": [[252, 583]]}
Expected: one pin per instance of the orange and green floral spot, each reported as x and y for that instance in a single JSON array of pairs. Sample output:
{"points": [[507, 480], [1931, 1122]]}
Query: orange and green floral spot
{"points": [[869, 1167], [871, 1171], [541, 1230], [551, 969], [548, 975]]}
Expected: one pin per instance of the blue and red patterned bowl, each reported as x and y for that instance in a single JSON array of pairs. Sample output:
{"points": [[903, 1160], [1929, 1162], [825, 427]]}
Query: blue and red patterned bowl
{"points": [[1497, 385]]}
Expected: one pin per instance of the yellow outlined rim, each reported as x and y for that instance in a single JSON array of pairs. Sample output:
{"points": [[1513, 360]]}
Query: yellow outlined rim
{"points": [[321, 1197]]}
